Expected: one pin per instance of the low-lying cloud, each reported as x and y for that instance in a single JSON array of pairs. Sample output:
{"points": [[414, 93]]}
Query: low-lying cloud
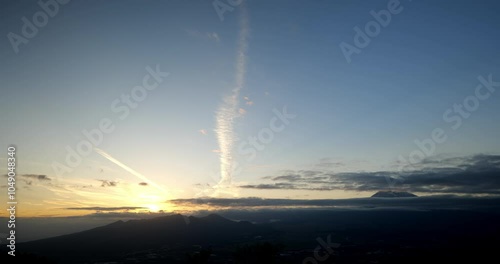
{"points": [[102, 209], [433, 202], [39, 177], [106, 183], [479, 174]]}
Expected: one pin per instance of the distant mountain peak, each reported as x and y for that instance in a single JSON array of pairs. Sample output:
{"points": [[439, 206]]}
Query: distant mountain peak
{"points": [[215, 216], [391, 194]]}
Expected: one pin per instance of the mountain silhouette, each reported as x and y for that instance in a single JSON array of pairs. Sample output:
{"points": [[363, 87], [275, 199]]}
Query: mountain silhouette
{"points": [[121, 237], [365, 236], [391, 194]]}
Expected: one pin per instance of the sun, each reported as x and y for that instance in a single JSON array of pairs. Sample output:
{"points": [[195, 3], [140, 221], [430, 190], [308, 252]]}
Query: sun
{"points": [[153, 208]]}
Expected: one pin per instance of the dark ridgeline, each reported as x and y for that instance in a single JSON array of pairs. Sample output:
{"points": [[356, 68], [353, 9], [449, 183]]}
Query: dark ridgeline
{"points": [[391, 194], [120, 238], [378, 235]]}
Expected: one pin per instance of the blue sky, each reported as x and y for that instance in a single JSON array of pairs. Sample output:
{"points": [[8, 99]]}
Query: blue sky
{"points": [[361, 115]]}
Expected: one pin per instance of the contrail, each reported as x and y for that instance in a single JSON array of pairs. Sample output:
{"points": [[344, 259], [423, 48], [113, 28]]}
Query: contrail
{"points": [[227, 112], [127, 168]]}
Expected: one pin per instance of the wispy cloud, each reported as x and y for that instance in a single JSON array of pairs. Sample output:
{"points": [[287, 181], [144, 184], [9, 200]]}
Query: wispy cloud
{"points": [[106, 183], [39, 177], [213, 36], [96, 208], [29, 178], [228, 111], [329, 163], [248, 101], [130, 170]]}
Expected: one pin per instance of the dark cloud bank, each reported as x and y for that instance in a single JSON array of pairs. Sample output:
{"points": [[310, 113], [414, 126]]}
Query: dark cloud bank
{"points": [[478, 175]]}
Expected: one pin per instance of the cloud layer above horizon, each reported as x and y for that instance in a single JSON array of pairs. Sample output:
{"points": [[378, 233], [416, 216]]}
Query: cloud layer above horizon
{"points": [[479, 174]]}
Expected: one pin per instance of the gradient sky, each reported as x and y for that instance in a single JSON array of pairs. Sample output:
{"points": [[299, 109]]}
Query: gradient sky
{"points": [[350, 117]]}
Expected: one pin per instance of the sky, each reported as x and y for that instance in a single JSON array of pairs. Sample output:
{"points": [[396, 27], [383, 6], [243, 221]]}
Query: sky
{"points": [[126, 105]]}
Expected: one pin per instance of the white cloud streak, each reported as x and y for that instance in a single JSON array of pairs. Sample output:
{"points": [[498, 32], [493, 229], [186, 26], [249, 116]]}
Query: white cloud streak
{"points": [[130, 170], [228, 111]]}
